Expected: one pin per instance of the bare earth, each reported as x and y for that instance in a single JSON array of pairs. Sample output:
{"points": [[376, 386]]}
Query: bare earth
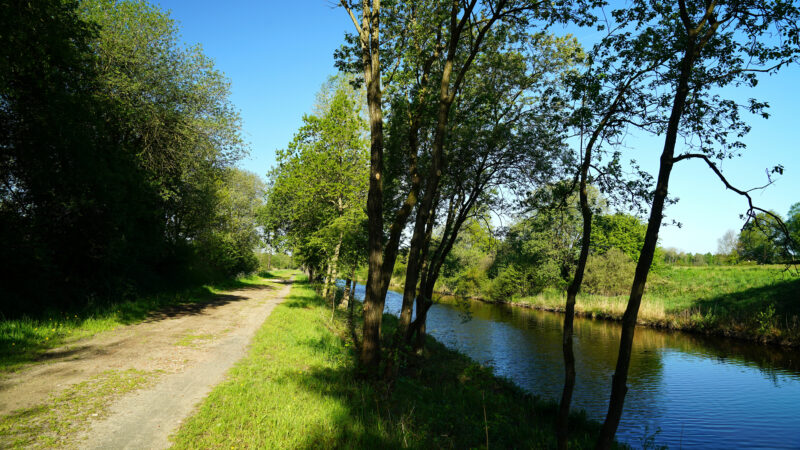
{"points": [[192, 345]]}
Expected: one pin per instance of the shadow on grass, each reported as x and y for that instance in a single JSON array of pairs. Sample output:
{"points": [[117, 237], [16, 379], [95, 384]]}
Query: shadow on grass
{"points": [[784, 296], [439, 400], [33, 339]]}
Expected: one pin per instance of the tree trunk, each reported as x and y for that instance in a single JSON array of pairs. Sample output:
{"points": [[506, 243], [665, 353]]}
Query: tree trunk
{"points": [[333, 271], [562, 420], [374, 297], [620, 378], [346, 295], [416, 258]]}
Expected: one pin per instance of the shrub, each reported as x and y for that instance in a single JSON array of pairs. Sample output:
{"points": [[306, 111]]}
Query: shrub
{"points": [[609, 274]]}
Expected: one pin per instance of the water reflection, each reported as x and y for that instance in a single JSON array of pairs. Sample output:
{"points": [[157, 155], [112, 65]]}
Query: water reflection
{"points": [[697, 391]]}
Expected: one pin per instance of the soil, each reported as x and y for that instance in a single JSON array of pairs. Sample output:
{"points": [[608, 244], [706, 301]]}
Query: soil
{"points": [[190, 346]]}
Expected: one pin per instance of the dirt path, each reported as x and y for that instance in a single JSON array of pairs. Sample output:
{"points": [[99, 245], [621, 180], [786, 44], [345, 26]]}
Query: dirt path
{"points": [[187, 349]]}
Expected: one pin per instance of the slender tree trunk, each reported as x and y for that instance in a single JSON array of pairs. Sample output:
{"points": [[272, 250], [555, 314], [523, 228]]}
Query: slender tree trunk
{"points": [[346, 295], [620, 378], [333, 271], [562, 420], [420, 240]]}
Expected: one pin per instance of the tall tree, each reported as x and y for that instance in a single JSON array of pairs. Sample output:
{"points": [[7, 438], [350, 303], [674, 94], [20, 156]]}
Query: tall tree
{"points": [[317, 190], [498, 134], [453, 32], [715, 44]]}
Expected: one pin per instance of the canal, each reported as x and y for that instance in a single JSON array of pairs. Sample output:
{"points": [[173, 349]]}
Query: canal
{"points": [[685, 390]]}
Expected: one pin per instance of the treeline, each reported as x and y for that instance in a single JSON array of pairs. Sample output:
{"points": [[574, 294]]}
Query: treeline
{"points": [[539, 251], [117, 153]]}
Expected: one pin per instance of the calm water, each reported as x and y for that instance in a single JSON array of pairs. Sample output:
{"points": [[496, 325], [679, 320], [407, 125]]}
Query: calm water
{"points": [[689, 390]]}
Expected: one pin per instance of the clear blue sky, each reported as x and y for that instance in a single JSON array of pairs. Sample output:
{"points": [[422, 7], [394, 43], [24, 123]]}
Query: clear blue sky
{"points": [[277, 54]]}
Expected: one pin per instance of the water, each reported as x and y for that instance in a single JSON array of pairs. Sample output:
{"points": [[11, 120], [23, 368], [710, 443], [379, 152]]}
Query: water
{"points": [[683, 390]]}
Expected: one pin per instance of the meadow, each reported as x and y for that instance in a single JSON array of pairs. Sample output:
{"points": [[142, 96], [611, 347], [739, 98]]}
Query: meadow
{"points": [[760, 303]]}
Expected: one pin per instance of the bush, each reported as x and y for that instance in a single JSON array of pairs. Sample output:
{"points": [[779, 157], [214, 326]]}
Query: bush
{"points": [[609, 274], [508, 283], [224, 257]]}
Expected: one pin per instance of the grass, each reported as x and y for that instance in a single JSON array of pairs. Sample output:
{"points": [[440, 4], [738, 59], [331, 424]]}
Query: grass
{"points": [[298, 388], [760, 303], [194, 340], [26, 339], [49, 425]]}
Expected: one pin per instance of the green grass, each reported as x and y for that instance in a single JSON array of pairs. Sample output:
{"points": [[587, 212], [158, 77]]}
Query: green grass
{"points": [[53, 423], [25, 339], [760, 303], [298, 388]]}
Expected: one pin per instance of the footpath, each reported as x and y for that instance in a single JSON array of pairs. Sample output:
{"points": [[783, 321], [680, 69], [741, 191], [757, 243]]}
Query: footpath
{"points": [[132, 387]]}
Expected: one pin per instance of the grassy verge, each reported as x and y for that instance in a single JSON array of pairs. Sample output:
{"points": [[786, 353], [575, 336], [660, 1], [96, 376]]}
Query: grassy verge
{"points": [[51, 424], [298, 388], [24, 340], [759, 303]]}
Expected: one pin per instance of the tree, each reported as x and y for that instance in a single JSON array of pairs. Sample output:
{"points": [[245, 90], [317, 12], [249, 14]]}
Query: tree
{"points": [[499, 134], [761, 241], [709, 45], [728, 245], [227, 247], [793, 224], [315, 194], [122, 139]]}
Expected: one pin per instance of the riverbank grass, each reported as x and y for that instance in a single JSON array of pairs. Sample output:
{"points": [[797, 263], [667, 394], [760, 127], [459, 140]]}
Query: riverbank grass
{"points": [[26, 339], [298, 388], [760, 303]]}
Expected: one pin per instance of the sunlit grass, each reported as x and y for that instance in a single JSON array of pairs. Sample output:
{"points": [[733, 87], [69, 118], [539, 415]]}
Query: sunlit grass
{"points": [[754, 302], [298, 388]]}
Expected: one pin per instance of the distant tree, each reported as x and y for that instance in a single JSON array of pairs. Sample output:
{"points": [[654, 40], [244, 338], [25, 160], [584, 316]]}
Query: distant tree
{"points": [[793, 224], [622, 231], [228, 246], [761, 241], [316, 192], [728, 246]]}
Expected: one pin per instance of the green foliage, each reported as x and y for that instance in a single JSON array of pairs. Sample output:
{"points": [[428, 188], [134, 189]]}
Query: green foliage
{"points": [[115, 155], [317, 192], [621, 231], [761, 241], [610, 273], [793, 224]]}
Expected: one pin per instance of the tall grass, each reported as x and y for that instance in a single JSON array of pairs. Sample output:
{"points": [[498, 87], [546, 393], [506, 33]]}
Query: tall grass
{"points": [[759, 303]]}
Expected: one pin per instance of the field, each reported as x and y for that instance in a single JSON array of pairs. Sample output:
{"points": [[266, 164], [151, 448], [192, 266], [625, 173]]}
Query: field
{"points": [[759, 303]]}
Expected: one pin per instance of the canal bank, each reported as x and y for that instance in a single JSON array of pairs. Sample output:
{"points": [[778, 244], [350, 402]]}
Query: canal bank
{"points": [[751, 303], [685, 389]]}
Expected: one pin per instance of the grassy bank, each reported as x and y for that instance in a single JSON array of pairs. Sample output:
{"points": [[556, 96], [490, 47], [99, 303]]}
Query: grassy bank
{"points": [[759, 303], [297, 389], [24, 340]]}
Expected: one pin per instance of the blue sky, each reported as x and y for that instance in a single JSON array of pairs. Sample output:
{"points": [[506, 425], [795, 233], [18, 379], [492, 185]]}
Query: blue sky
{"points": [[277, 54]]}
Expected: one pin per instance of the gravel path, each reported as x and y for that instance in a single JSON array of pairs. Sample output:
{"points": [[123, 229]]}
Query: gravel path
{"points": [[192, 347]]}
